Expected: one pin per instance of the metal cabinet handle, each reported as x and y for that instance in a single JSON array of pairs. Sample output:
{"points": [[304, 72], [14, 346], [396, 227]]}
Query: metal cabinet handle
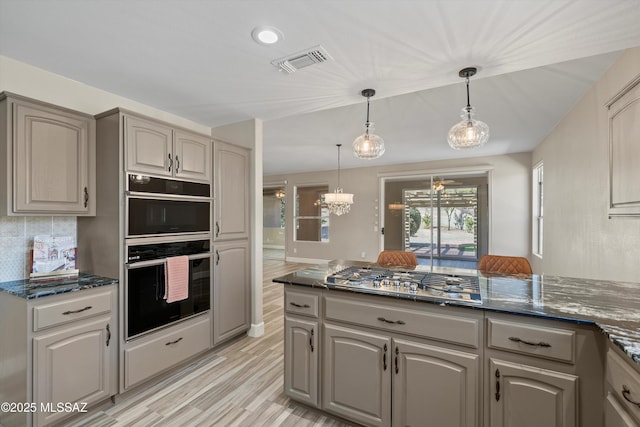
{"points": [[173, 342], [295, 304], [396, 361], [77, 311], [217, 257], [397, 322], [177, 164], [86, 196], [108, 335], [626, 393], [217, 229], [497, 385], [384, 358], [535, 344], [170, 161], [311, 340]]}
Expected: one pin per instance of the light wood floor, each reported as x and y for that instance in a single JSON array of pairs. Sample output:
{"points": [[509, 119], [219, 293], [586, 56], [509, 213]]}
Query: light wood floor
{"points": [[237, 385]]}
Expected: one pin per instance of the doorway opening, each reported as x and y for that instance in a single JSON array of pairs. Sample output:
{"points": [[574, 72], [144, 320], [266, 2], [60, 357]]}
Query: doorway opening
{"points": [[273, 221], [442, 219]]}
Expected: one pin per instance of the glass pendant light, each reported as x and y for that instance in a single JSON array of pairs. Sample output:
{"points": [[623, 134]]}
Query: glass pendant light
{"points": [[368, 145], [338, 202], [469, 133]]}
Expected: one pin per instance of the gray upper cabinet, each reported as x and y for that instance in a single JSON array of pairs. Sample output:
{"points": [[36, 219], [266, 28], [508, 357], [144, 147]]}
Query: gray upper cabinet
{"points": [[231, 192], [157, 149], [50, 154]]}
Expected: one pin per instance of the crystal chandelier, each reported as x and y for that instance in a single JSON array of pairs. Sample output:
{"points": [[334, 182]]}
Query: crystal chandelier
{"points": [[469, 133], [280, 194], [368, 145], [338, 202]]}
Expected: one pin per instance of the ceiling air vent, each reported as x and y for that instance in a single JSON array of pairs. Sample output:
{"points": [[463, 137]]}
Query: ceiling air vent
{"points": [[314, 55]]}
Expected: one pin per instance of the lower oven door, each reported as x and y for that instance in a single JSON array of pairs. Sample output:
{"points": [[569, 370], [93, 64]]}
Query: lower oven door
{"points": [[146, 308]]}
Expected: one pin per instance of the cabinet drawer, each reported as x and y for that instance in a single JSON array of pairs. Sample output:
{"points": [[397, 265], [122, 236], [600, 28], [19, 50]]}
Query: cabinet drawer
{"points": [[165, 349], [625, 383], [301, 303], [459, 328], [70, 309], [532, 339]]}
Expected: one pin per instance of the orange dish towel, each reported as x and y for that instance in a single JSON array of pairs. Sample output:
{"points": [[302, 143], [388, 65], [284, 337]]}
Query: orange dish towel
{"points": [[176, 273]]}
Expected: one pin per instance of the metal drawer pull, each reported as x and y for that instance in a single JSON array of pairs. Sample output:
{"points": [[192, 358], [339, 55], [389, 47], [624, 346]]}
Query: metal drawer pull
{"points": [[626, 393], [295, 304], [77, 311], [174, 342], [535, 344], [397, 322], [108, 335], [384, 358], [397, 351]]}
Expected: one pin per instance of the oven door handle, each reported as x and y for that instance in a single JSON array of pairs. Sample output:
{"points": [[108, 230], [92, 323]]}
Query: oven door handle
{"points": [[151, 262]]}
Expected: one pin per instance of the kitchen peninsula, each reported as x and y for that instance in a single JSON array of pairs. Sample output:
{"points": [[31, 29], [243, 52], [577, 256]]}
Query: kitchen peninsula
{"points": [[537, 350]]}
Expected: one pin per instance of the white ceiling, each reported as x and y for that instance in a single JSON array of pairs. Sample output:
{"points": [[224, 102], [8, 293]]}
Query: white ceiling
{"points": [[196, 59]]}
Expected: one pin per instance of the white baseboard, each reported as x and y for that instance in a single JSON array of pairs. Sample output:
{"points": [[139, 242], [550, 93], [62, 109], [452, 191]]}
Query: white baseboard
{"points": [[256, 330]]}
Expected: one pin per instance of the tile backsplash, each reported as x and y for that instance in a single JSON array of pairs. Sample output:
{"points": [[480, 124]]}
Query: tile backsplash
{"points": [[16, 241]]}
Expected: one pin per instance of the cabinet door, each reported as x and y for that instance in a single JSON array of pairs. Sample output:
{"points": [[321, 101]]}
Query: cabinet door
{"points": [[231, 289], [357, 375], [73, 365], [149, 147], [526, 396], [231, 183], [54, 157], [301, 359], [192, 156], [435, 386]]}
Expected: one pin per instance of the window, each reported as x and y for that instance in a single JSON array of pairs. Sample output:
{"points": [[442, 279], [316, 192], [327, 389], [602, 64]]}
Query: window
{"points": [[538, 210], [311, 218]]}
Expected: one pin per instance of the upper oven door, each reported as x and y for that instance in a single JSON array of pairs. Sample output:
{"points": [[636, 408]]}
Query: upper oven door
{"points": [[160, 216]]}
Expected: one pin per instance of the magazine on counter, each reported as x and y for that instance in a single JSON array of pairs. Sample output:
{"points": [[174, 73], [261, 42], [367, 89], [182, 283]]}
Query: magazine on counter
{"points": [[53, 257]]}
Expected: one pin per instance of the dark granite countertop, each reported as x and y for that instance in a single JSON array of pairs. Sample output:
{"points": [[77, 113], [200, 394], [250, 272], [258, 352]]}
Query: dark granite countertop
{"points": [[614, 307], [31, 290]]}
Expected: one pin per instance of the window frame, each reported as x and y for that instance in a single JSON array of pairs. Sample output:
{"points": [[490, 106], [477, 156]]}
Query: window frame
{"points": [[322, 217]]}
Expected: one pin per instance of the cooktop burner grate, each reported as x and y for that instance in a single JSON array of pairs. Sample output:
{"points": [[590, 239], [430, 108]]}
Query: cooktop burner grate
{"points": [[409, 283]]}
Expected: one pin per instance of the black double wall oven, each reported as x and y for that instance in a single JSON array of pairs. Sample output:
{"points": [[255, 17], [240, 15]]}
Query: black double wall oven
{"points": [[165, 218]]}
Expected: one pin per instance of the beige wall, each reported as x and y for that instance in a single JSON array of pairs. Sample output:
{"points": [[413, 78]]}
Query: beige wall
{"points": [[358, 231], [579, 238]]}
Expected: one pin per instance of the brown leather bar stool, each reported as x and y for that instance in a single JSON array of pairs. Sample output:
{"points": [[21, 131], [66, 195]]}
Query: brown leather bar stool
{"points": [[397, 259], [499, 264]]}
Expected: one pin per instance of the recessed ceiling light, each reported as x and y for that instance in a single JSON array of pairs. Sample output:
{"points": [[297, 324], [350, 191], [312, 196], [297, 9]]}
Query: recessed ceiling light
{"points": [[266, 35]]}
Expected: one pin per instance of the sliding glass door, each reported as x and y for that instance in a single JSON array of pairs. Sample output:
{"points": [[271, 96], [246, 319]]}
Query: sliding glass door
{"points": [[438, 218]]}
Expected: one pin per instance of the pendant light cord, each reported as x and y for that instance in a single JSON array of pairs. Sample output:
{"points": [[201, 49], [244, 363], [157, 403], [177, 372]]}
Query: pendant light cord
{"points": [[338, 145], [367, 123], [468, 102]]}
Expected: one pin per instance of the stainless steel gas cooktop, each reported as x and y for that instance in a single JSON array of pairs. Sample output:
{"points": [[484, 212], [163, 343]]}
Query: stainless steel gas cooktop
{"points": [[408, 283]]}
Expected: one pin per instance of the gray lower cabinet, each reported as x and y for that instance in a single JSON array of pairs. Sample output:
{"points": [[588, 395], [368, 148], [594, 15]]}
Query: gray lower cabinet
{"points": [[451, 398], [543, 373], [73, 365], [527, 396], [622, 403], [57, 350], [357, 374], [231, 289], [301, 359]]}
